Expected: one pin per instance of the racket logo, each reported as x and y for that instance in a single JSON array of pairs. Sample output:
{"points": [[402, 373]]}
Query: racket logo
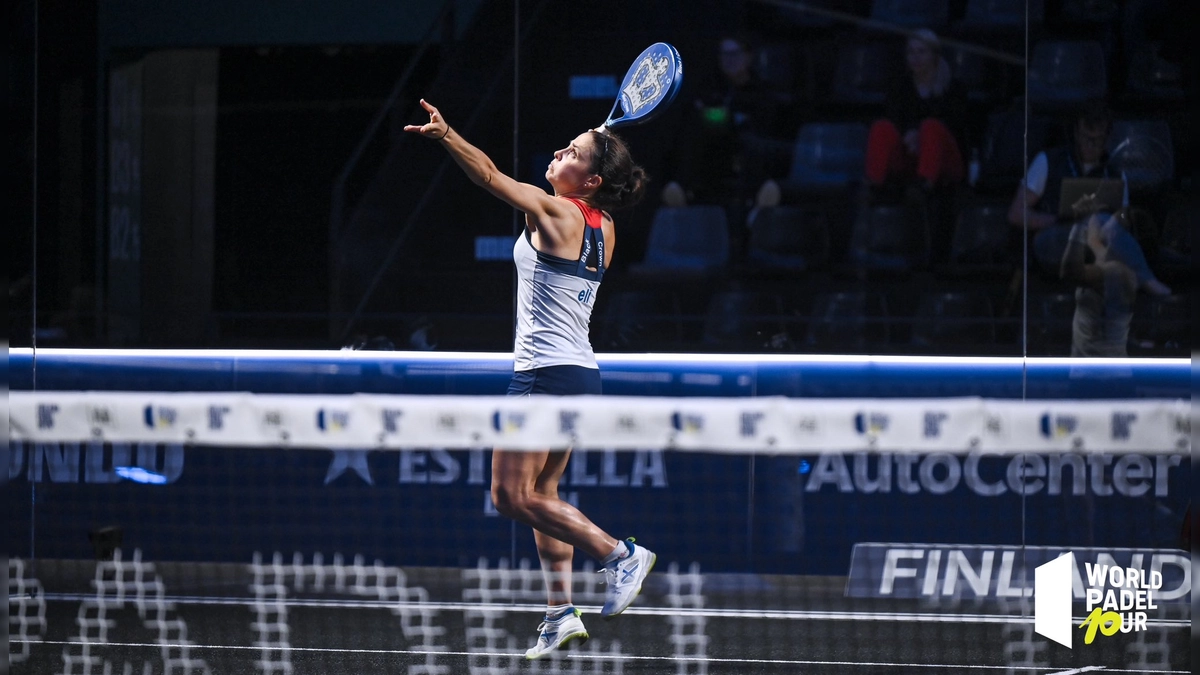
{"points": [[750, 422], [391, 420], [45, 415], [1122, 425], [216, 416], [648, 84], [933, 424]]}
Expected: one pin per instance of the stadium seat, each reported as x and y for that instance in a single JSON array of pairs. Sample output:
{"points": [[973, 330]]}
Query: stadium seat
{"points": [[864, 72], [1161, 326], [1151, 77], [1143, 151], [828, 155], [848, 321], [1066, 73], [788, 238], [798, 18], [982, 77], [1050, 318], [687, 239], [980, 243], [640, 321], [1001, 14], [776, 65], [890, 239], [1174, 263], [956, 322], [912, 13], [742, 320], [1172, 325], [1005, 150], [1088, 11]]}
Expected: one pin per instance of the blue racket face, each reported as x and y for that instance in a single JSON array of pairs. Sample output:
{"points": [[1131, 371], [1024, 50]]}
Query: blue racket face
{"points": [[650, 85]]}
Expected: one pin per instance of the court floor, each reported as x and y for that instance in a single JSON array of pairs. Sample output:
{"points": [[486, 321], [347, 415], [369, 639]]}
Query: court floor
{"points": [[332, 616]]}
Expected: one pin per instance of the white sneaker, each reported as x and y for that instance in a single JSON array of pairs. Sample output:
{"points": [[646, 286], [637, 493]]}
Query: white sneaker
{"points": [[555, 633], [624, 578]]}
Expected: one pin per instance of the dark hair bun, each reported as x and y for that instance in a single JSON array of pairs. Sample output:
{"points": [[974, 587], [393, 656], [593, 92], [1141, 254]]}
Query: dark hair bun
{"points": [[623, 183]]}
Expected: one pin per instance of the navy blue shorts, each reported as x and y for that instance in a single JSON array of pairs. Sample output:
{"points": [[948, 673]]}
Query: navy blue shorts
{"points": [[555, 381]]}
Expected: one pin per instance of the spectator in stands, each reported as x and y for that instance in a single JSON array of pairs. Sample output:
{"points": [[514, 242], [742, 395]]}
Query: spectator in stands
{"points": [[1105, 292], [724, 151], [1035, 205], [922, 131]]}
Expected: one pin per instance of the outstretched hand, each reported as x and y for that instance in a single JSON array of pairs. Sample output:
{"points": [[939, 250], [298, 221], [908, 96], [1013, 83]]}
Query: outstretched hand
{"points": [[437, 127]]}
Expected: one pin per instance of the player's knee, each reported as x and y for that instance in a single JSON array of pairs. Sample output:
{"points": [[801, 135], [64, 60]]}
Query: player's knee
{"points": [[509, 501]]}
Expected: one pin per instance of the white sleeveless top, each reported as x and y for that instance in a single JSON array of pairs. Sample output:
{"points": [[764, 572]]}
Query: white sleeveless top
{"points": [[555, 297]]}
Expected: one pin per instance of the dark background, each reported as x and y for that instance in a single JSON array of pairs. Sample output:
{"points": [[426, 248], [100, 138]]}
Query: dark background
{"points": [[246, 240]]}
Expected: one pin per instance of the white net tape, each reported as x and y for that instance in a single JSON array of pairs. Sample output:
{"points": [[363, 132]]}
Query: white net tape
{"points": [[728, 425]]}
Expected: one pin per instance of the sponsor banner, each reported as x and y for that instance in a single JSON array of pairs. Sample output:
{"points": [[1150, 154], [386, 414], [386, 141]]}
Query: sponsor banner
{"points": [[976, 572], [786, 514], [989, 475], [748, 425]]}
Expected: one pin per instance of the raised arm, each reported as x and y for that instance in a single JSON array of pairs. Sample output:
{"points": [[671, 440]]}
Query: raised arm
{"points": [[531, 199]]}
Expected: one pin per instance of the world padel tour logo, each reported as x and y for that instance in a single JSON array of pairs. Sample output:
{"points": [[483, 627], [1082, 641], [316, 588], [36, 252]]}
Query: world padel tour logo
{"points": [[1117, 599]]}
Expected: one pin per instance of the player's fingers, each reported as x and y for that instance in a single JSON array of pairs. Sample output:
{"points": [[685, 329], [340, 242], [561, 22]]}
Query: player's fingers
{"points": [[412, 127], [428, 108]]}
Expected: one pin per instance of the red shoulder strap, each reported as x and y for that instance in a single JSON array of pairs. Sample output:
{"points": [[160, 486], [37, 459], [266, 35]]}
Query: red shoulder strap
{"points": [[591, 216]]}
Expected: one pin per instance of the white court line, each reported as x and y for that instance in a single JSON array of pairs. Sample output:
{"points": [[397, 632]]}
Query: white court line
{"points": [[1085, 669], [706, 612], [593, 657]]}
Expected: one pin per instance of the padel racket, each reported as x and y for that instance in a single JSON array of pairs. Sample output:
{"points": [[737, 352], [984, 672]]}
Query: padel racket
{"points": [[650, 85]]}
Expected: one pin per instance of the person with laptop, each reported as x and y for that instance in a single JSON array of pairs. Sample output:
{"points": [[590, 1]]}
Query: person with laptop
{"points": [[1071, 184]]}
